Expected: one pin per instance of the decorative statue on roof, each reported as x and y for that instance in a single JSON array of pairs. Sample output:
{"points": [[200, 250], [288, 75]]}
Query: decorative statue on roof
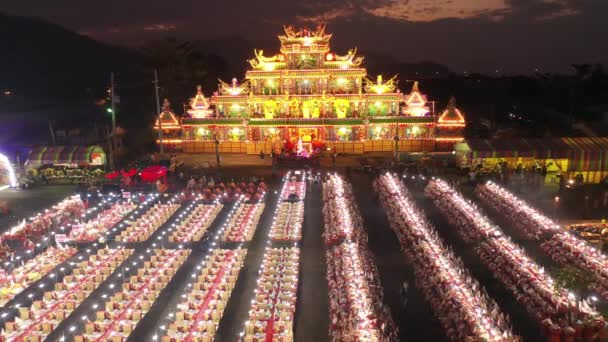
{"points": [[234, 88], [381, 86], [166, 106]]}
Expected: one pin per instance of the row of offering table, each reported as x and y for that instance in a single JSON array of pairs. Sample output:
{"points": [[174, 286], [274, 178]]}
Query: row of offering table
{"points": [[338, 204], [38, 321], [136, 275], [127, 305], [96, 227], [32, 271], [554, 309], [273, 306], [458, 301], [57, 217], [60, 213], [356, 308], [243, 222], [287, 224], [195, 225], [141, 229], [563, 247], [198, 316]]}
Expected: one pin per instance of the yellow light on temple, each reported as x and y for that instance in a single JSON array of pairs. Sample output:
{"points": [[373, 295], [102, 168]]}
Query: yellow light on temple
{"points": [[272, 130], [415, 130], [268, 66], [235, 131], [378, 104], [202, 131], [342, 80], [378, 129], [342, 130]]}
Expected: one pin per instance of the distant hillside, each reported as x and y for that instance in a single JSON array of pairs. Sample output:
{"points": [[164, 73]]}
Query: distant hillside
{"points": [[44, 59]]}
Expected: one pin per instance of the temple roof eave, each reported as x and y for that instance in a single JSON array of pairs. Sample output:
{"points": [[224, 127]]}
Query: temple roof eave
{"points": [[261, 122]]}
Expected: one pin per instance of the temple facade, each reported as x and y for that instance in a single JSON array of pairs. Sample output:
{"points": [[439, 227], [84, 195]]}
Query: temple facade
{"points": [[307, 95]]}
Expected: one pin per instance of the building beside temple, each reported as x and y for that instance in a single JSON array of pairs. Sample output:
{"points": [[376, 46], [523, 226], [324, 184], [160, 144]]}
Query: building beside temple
{"points": [[307, 95]]}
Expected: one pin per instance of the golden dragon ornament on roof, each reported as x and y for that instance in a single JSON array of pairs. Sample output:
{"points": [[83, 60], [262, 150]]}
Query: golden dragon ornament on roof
{"points": [[234, 88], [260, 60], [380, 86]]}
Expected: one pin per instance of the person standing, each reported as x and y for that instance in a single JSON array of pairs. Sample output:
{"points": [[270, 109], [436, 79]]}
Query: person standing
{"points": [[404, 292]]}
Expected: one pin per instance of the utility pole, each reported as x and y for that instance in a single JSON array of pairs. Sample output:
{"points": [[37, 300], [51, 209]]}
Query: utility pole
{"points": [[52, 130], [112, 110], [160, 124], [217, 150]]}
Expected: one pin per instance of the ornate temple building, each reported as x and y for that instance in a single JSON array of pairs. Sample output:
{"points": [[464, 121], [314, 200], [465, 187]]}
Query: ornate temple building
{"points": [[307, 95]]}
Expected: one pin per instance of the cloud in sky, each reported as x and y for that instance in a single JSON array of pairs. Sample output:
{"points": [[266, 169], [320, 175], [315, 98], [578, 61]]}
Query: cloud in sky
{"points": [[463, 34], [432, 10]]}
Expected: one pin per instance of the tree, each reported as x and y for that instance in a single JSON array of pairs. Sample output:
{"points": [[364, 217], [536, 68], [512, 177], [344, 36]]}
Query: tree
{"points": [[180, 68]]}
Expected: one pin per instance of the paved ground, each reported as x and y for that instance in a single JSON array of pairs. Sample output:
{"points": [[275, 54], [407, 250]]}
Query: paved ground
{"points": [[416, 322]]}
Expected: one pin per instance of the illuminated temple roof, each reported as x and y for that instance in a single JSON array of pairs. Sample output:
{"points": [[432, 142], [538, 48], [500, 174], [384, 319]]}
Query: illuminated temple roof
{"points": [[416, 102], [167, 118], [199, 105], [296, 46], [451, 116]]}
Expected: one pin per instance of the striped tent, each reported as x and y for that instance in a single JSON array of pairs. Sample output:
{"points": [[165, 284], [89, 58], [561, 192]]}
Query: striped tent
{"points": [[588, 156], [539, 148], [78, 155]]}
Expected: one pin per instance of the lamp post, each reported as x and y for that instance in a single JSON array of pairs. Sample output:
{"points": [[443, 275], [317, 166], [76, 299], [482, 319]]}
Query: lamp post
{"points": [[396, 138], [556, 201], [217, 150]]}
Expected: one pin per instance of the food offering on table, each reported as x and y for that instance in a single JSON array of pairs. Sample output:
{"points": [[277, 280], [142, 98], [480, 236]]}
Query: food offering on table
{"points": [[141, 229], [564, 247], [356, 308], [33, 270], [287, 224], [555, 310], [61, 213], [338, 206], [43, 316], [226, 193], [243, 222], [531, 223], [198, 316], [96, 227], [128, 305], [470, 223], [293, 191], [457, 300], [272, 310], [195, 225], [594, 233]]}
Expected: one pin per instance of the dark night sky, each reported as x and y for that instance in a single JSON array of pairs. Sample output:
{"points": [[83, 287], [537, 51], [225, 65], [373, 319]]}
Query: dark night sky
{"points": [[471, 35]]}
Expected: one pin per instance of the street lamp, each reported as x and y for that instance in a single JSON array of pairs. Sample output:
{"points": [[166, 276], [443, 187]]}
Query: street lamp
{"points": [[556, 201]]}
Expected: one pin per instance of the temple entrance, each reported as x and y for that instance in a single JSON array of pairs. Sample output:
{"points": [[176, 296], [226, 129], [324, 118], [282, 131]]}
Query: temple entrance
{"points": [[306, 138]]}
